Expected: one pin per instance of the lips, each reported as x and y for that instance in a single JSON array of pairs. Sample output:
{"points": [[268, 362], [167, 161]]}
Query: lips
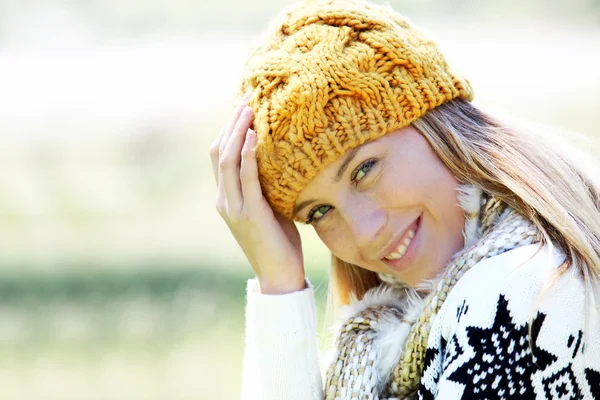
{"points": [[398, 247]]}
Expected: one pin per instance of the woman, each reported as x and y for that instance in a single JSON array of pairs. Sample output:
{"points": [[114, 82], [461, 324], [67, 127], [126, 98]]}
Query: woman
{"points": [[465, 252]]}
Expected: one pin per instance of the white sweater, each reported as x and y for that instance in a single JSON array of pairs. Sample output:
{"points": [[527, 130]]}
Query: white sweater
{"points": [[478, 345]]}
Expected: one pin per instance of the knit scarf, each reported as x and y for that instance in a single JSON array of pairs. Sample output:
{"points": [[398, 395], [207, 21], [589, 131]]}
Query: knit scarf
{"points": [[397, 319]]}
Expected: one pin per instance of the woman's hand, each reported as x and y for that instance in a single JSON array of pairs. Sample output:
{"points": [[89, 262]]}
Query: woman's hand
{"points": [[270, 241]]}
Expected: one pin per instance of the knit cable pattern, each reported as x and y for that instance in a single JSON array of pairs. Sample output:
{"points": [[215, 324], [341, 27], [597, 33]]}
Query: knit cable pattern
{"points": [[331, 75]]}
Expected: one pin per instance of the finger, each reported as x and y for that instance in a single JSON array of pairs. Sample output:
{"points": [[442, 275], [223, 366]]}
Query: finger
{"points": [[251, 192], [214, 154], [234, 118], [216, 147], [229, 161]]}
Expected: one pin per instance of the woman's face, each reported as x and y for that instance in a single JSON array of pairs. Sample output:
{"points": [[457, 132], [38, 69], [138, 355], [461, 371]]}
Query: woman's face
{"points": [[389, 206]]}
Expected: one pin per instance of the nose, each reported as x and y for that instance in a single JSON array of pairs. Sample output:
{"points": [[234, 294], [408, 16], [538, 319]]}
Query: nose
{"points": [[365, 223]]}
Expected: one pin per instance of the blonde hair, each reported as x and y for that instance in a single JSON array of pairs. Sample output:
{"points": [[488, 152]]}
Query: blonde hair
{"points": [[536, 173]]}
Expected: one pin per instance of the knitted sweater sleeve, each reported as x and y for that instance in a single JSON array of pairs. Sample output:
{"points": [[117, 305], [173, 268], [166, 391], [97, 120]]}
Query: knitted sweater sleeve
{"points": [[281, 359], [506, 332]]}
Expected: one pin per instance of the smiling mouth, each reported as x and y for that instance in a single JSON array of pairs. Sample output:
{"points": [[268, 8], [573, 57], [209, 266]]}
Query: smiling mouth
{"points": [[400, 250]]}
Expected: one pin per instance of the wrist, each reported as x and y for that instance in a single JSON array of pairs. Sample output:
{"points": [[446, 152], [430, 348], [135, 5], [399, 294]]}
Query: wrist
{"points": [[282, 287]]}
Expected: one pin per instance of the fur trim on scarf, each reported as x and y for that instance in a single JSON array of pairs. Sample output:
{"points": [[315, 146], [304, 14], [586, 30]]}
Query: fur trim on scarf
{"points": [[391, 331]]}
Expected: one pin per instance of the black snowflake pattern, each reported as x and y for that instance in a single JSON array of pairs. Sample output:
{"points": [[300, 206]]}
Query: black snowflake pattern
{"points": [[501, 360], [503, 363]]}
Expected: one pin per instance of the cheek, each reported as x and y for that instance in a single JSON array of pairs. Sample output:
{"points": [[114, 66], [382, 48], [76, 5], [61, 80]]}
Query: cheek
{"points": [[447, 217], [338, 241], [404, 184], [444, 195], [424, 180]]}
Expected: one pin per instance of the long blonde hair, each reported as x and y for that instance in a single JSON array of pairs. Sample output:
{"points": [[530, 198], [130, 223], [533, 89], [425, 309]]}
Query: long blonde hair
{"points": [[550, 182]]}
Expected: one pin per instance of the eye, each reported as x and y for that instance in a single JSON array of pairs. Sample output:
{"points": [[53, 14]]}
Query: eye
{"points": [[362, 170], [317, 213]]}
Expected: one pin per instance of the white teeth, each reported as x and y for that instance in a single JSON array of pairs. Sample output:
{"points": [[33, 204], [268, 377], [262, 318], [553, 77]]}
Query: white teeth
{"points": [[394, 256], [401, 249], [399, 252]]}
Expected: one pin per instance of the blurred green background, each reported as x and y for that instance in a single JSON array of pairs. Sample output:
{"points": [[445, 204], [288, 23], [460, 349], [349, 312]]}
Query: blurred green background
{"points": [[118, 279]]}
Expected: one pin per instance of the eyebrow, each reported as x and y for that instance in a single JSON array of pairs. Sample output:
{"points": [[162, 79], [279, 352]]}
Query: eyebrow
{"points": [[344, 166], [341, 171]]}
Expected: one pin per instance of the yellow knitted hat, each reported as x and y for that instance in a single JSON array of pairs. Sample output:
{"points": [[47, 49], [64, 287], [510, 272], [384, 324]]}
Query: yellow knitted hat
{"points": [[331, 75]]}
